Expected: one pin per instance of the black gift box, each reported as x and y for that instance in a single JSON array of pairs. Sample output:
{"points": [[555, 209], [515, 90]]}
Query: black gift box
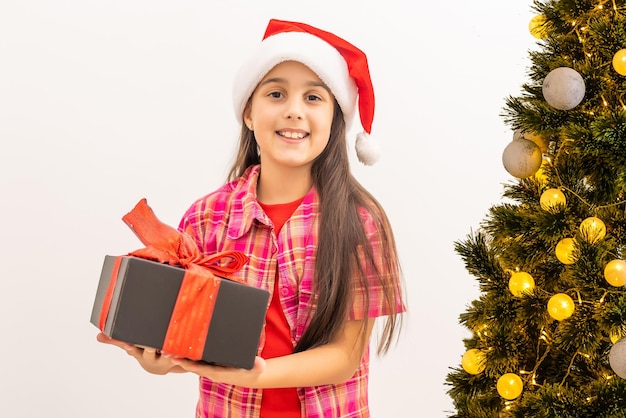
{"points": [[144, 297]]}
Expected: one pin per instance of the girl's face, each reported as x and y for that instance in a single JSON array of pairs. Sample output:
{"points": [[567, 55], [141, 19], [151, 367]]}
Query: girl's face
{"points": [[291, 113]]}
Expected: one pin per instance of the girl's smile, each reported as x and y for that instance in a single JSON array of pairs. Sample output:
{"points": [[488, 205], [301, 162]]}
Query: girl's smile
{"points": [[292, 134]]}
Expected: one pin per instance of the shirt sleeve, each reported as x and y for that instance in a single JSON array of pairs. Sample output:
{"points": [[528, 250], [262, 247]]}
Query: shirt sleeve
{"points": [[384, 289]]}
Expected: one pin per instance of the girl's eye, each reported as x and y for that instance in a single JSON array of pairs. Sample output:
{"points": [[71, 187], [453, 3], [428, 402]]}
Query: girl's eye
{"points": [[275, 94], [313, 97]]}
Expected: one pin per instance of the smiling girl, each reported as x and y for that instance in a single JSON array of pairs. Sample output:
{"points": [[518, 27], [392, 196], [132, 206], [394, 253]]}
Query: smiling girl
{"points": [[317, 240]]}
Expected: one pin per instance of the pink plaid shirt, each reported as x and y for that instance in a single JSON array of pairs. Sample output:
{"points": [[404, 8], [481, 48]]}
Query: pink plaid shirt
{"points": [[231, 219]]}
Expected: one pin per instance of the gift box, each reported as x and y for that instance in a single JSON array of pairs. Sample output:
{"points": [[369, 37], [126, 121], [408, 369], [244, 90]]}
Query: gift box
{"points": [[169, 297]]}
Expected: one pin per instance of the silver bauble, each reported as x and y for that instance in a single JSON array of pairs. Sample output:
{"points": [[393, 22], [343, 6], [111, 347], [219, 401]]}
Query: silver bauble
{"points": [[541, 142], [563, 88], [617, 358], [521, 158]]}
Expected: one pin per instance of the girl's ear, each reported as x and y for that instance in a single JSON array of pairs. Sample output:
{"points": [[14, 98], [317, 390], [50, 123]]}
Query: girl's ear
{"points": [[246, 117]]}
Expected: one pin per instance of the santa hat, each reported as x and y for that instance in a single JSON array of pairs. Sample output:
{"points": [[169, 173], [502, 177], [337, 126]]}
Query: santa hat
{"points": [[339, 64]]}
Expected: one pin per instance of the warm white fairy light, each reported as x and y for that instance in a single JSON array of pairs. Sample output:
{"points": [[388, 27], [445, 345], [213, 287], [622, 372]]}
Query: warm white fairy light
{"points": [[580, 300]]}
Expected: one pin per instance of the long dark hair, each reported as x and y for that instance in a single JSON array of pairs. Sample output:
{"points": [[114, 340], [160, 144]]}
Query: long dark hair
{"points": [[342, 240]]}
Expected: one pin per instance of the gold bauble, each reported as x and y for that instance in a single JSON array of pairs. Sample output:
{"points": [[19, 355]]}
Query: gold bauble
{"points": [[565, 251], [510, 386], [540, 174], [615, 273], [560, 306], [619, 62], [552, 199], [592, 229], [537, 27], [474, 361], [520, 283]]}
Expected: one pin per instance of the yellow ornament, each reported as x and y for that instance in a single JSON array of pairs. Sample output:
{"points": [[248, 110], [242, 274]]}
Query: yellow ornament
{"points": [[615, 273], [592, 229], [551, 199], [540, 174], [537, 27], [510, 386], [474, 361], [560, 306], [520, 283], [619, 62], [565, 250]]}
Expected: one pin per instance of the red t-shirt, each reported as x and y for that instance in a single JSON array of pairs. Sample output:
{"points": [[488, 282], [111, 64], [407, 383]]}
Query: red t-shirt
{"points": [[280, 402]]}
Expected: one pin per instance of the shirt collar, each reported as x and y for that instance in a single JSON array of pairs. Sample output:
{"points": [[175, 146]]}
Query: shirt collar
{"points": [[245, 208]]}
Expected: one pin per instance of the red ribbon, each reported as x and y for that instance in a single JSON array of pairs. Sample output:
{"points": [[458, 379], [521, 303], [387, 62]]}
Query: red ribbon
{"points": [[189, 323]]}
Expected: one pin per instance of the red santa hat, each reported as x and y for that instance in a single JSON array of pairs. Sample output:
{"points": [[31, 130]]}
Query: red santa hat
{"points": [[339, 64]]}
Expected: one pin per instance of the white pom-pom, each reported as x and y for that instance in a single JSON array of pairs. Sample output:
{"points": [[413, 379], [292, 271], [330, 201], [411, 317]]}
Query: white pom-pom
{"points": [[367, 150]]}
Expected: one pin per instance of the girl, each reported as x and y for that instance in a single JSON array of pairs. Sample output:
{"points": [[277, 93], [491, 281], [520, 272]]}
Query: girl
{"points": [[317, 240]]}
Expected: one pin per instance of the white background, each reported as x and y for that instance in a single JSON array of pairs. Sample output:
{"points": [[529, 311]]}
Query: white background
{"points": [[105, 102]]}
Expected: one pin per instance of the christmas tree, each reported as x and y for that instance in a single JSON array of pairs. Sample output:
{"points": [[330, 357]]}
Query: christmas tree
{"points": [[548, 330]]}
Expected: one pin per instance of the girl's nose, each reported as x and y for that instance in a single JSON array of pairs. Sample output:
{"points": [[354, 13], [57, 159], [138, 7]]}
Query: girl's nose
{"points": [[294, 109]]}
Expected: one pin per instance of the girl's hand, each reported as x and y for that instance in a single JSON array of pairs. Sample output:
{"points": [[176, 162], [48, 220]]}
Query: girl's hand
{"points": [[229, 375], [148, 358]]}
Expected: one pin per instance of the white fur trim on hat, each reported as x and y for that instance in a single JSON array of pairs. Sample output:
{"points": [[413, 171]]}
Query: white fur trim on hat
{"points": [[367, 150], [322, 58]]}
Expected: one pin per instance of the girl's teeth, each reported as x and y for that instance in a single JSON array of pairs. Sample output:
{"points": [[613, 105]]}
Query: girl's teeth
{"points": [[292, 135]]}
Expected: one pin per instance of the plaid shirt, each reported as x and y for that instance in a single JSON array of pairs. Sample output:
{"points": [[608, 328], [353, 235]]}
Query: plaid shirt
{"points": [[231, 219]]}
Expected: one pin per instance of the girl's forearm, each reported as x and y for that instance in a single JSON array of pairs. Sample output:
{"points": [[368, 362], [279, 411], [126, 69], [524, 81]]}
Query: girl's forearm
{"points": [[318, 366], [332, 363]]}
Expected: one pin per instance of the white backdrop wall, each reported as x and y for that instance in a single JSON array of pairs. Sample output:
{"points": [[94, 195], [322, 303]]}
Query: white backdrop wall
{"points": [[105, 102]]}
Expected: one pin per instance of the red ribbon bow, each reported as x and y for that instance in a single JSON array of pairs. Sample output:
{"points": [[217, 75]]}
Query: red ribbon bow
{"points": [[189, 323]]}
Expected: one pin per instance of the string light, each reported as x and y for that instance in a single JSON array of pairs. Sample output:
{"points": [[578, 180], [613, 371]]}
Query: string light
{"points": [[580, 38]]}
